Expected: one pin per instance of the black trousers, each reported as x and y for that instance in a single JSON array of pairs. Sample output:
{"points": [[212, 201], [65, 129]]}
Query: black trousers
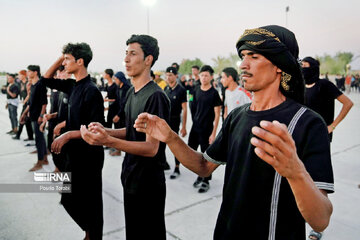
{"points": [[85, 204], [175, 125], [29, 129], [113, 110], [144, 214], [39, 141], [202, 139]]}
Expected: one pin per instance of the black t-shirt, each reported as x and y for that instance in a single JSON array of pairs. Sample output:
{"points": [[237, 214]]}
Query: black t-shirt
{"points": [[122, 97], [252, 202], [37, 99], [112, 94], [23, 90], [203, 109], [177, 96], [320, 98], [143, 173], [54, 100], [14, 88], [85, 105], [63, 106]]}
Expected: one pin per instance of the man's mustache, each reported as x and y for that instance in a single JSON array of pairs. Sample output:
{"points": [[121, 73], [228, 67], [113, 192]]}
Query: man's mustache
{"points": [[246, 73]]}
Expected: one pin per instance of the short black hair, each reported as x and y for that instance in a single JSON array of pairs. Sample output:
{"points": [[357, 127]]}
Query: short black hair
{"points": [[207, 68], [34, 68], [12, 75], [176, 65], [148, 44], [230, 71], [109, 71], [79, 50], [196, 66]]}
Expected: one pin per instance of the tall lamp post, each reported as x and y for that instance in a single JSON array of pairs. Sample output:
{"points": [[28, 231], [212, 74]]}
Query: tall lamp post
{"points": [[148, 4]]}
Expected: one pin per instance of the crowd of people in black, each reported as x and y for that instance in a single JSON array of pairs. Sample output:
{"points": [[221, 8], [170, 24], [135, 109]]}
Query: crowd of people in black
{"points": [[269, 132]]}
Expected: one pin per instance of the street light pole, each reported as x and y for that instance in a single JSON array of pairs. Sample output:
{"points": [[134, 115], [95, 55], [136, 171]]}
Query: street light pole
{"points": [[148, 4], [148, 20]]}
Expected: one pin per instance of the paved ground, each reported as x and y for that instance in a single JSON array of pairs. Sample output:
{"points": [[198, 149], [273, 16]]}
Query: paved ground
{"points": [[189, 215]]}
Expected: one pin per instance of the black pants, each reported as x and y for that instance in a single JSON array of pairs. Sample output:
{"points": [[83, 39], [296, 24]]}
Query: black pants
{"points": [[144, 214], [202, 139], [174, 125], [85, 204], [39, 141], [113, 110], [28, 126]]}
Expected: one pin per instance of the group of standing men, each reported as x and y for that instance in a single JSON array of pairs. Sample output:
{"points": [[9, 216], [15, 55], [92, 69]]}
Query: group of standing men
{"points": [[277, 152]]}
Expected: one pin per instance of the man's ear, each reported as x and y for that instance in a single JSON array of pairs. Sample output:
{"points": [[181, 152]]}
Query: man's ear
{"points": [[80, 61], [278, 70], [148, 60]]}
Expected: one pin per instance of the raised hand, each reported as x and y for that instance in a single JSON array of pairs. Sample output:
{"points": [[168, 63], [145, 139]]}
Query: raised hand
{"points": [[95, 134], [153, 126], [276, 146]]}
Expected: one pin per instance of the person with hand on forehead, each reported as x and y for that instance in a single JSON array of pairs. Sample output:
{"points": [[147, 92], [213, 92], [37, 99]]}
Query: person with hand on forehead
{"points": [[85, 162], [278, 168]]}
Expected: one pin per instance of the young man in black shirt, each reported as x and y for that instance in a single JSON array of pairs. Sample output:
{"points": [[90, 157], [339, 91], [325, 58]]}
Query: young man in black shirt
{"points": [[121, 96], [84, 204], [277, 155], [206, 114], [111, 89], [142, 174], [195, 83], [24, 96], [319, 96], [177, 96], [12, 93], [36, 110], [321, 93]]}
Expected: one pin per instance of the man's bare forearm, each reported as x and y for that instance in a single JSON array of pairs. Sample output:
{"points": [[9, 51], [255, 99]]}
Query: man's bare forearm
{"points": [[313, 204], [52, 70], [184, 115], [146, 149], [117, 133], [190, 158]]}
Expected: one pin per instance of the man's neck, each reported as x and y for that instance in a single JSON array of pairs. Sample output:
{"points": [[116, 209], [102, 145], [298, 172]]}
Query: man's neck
{"points": [[196, 77], [34, 80], [110, 81], [141, 80], [205, 87], [80, 74], [232, 86], [264, 100], [172, 85], [309, 85]]}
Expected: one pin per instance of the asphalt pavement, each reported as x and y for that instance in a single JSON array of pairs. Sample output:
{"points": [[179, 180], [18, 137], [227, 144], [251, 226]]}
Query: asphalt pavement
{"points": [[188, 214]]}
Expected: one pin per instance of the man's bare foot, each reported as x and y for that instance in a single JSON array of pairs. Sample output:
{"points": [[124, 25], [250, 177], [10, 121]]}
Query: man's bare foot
{"points": [[36, 167]]}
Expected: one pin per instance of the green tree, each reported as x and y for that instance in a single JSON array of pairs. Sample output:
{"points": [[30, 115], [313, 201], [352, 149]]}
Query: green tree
{"points": [[186, 64], [223, 62], [335, 64]]}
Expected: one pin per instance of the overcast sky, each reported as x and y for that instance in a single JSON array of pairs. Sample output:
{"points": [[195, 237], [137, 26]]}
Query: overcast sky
{"points": [[34, 31]]}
